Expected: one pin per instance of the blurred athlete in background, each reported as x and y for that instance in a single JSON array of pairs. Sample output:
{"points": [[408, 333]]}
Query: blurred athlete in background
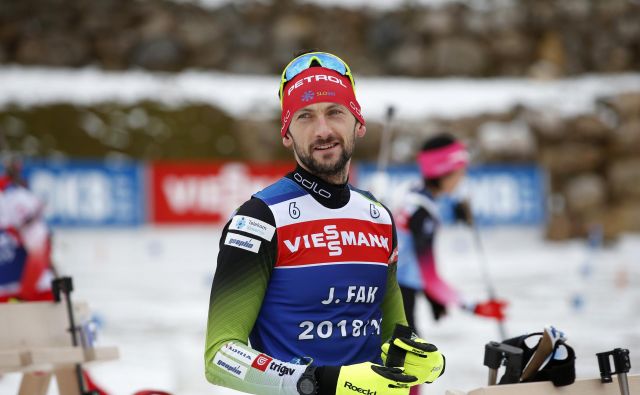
{"points": [[26, 270], [442, 161]]}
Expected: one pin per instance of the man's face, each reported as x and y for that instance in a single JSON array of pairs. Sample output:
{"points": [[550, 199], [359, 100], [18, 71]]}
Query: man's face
{"points": [[322, 136]]}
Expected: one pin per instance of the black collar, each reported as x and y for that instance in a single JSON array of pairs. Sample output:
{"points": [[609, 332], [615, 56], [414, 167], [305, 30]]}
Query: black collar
{"points": [[327, 194]]}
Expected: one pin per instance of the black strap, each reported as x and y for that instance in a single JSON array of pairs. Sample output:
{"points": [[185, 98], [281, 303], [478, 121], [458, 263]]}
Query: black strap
{"points": [[395, 355], [395, 374], [560, 372], [520, 342]]}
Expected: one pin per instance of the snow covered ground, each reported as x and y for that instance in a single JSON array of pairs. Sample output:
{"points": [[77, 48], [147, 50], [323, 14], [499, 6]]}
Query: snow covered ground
{"points": [[253, 96], [150, 287]]}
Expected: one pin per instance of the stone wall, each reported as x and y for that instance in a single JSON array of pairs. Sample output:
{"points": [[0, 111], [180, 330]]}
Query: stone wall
{"points": [[543, 38], [592, 160]]}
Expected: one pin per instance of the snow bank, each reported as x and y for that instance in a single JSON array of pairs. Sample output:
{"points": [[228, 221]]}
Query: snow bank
{"points": [[255, 96]]}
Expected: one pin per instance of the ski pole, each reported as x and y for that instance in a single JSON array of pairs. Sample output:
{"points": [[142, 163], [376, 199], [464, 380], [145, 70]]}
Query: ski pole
{"points": [[484, 267], [385, 140], [379, 180]]}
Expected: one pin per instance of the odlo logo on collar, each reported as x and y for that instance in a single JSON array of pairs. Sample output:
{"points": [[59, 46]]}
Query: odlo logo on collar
{"points": [[312, 186]]}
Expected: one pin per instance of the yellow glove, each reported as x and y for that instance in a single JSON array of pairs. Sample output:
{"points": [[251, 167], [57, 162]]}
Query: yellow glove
{"points": [[422, 359], [367, 378]]}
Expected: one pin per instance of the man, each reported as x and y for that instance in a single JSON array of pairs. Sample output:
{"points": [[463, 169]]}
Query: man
{"points": [[442, 161], [306, 268]]}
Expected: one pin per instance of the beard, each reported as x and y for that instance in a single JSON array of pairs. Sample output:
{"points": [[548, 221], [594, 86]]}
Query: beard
{"points": [[332, 168]]}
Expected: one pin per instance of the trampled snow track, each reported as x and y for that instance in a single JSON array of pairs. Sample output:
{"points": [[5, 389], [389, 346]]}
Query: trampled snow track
{"points": [[150, 287]]}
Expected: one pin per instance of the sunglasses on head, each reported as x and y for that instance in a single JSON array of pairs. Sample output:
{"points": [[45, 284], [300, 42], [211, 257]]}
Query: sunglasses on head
{"points": [[303, 62]]}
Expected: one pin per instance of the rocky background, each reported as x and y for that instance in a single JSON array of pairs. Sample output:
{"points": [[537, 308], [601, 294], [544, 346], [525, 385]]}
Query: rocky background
{"points": [[518, 37], [593, 160]]}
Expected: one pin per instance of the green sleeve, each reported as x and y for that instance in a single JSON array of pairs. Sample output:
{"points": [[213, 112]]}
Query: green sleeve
{"points": [[236, 296], [392, 306], [238, 288]]}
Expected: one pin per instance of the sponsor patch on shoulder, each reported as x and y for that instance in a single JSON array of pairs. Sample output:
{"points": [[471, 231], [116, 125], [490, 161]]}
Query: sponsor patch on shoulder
{"points": [[244, 242], [253, 226], [230, 366]]}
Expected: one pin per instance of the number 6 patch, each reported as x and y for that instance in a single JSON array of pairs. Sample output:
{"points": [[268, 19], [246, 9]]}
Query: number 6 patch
{"points": [[294, 212]]}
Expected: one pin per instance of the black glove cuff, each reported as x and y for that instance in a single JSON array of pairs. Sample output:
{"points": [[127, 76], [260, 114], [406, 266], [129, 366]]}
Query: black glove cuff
{"points": [[327, 378], [427, 347]]}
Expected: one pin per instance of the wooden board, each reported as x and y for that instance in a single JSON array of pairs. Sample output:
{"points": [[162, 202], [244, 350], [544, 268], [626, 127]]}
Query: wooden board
{"points": [[35, 383], [37, 324], [580, 387], [36, 341]]}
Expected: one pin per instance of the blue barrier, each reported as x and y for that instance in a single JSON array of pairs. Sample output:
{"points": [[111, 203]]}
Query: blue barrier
{"points": [[499, 194], [95, 193], [89, 193]]}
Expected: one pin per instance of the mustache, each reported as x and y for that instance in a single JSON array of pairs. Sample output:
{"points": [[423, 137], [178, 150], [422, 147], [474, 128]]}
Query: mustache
{"points": [[329, 140]]}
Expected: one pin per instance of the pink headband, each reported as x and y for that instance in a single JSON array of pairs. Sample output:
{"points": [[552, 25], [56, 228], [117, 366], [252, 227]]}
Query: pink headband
{"points": [[441, 161]]}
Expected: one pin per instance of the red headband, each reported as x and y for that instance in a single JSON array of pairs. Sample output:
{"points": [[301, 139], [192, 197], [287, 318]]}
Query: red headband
{"points": [[441, 161], [317, 85]]}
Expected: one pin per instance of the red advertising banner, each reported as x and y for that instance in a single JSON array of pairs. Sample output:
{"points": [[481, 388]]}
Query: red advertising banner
{"points": [[206, 192]]}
